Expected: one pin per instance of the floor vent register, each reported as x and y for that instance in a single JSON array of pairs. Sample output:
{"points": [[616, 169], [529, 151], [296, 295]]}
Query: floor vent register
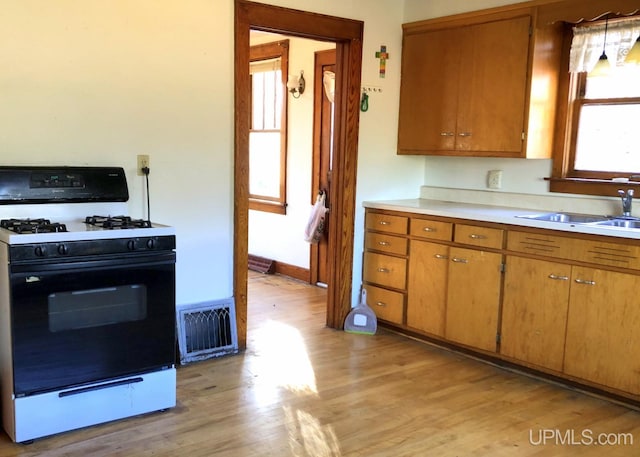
{"points": [[207, 330]]}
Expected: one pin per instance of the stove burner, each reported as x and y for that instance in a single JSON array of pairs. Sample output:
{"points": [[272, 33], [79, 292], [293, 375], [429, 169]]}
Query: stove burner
{"points": [[32, 226], [117, 222]]}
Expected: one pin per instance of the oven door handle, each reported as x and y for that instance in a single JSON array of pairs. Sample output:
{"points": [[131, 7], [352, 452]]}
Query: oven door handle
{"points": [[93, 263]]}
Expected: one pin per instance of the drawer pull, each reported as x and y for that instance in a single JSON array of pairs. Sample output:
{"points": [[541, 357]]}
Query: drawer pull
{"points": [[587, 282], [459, 260], [385, 223], [441, 256], [429, 229], [446, 133], [384, 243], [559, 278], [380, 303], [464, 134], [473, 236], [383, 270]]}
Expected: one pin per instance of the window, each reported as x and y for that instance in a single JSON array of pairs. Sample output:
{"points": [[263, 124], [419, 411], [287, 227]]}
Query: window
{"points": [[601, 140], [268, 130]]}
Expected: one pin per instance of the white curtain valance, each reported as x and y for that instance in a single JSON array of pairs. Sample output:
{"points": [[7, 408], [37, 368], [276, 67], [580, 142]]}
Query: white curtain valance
{"points": [[588, 42]]}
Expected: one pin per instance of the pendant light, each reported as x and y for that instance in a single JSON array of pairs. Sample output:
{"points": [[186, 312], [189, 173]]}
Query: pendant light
{"points": [[603, 67], [634, 53]]}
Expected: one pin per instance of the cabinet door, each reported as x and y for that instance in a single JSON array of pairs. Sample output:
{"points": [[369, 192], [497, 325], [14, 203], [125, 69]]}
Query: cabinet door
{"points": [[426, 286], [429, 91], [493, 84], [534, 311], [473, 296], [603, 329]]}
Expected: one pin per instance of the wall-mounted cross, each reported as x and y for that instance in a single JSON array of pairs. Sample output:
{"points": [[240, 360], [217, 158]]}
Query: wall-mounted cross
{"points": [[383, 55]]}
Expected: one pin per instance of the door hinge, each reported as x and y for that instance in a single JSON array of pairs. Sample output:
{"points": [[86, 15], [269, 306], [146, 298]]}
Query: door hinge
{"points": [[524, 136], [503, 268], [498, 337]]}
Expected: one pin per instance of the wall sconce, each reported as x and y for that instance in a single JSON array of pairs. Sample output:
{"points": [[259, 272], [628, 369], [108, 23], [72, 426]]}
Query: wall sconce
{"points": [[296, 84]]}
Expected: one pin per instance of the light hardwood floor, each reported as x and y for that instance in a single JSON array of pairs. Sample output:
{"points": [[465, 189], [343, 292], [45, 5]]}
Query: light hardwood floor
{"points": [[302, 389]]}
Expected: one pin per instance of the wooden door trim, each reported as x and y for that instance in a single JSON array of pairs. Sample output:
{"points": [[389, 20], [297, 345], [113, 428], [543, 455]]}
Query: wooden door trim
{"points": [[347, 34]]}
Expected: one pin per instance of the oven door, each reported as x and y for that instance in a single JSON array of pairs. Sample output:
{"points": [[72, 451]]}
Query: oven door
{"points": [[79, 322]]}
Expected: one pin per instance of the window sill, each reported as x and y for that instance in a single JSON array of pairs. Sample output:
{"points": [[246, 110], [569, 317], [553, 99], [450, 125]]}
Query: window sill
{"points": [[589, 186], [268, 207]]}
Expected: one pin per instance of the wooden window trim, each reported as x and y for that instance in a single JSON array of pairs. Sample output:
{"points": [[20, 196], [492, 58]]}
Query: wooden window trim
{"points": [[564, 178], [263, 52]]}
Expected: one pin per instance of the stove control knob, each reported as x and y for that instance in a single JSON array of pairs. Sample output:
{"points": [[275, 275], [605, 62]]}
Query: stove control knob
{"points": [[40, 251], [63, 249], [131, 245], [151, 243]]}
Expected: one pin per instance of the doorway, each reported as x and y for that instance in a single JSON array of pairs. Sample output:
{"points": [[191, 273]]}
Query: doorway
{"points": [[347, 34]]}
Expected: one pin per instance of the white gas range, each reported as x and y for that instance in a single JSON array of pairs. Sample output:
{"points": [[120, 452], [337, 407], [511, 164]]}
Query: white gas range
{"points": [[87, 302]]}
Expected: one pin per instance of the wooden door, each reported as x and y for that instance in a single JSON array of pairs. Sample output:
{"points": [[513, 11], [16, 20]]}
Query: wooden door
{"points": [[429, 91], [493, 83], [604, 305], [473, 296], [323, 119], [427, 286], [534, 311]]}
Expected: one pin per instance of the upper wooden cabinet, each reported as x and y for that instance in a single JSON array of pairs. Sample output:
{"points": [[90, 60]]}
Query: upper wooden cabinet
{"points": [[467, 86]]}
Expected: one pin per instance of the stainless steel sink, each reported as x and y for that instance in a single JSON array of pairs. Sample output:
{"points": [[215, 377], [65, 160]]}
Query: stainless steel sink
{"points": [[622, 223], [567, 218]]}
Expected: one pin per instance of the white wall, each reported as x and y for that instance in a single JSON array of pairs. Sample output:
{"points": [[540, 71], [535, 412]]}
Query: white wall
{"points": [[96, 83], [276, 236]]}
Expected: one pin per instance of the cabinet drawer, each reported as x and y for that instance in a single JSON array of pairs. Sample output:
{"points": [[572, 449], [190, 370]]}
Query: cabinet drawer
{"points": [[387, 304], [385, 270], [432, 230], [479, 236], [541, 244], [386, 223], [386, 243], [612, 254]]}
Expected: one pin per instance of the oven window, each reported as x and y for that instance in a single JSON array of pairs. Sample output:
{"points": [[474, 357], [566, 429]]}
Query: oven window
{"points": [[97, 307]]}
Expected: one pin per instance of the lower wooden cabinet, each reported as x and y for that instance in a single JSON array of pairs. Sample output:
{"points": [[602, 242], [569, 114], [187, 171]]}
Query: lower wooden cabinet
{"points": [[473, 298], [603, 329], [528, 299], [534, 311], [427, 286]]}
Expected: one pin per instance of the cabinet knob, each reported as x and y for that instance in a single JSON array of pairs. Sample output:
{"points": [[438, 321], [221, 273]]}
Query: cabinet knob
{"points": [[441, 256], [464, 134], [385, 223], [446, 133], [429, 229], [586, 282], [379, 303], [477, 237], [459, 260], [557, 277], [383, 270], [384, 243]]}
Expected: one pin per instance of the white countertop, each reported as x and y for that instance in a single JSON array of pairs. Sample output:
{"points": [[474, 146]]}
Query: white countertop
{"points": [[497, 214]]}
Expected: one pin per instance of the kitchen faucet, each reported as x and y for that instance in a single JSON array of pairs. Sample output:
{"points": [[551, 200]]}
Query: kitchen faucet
{"points": [[627, 198]]}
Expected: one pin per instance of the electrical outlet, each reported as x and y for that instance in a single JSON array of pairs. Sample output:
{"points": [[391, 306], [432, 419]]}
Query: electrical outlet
{"points": [[143, 161], [494, 179]]}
